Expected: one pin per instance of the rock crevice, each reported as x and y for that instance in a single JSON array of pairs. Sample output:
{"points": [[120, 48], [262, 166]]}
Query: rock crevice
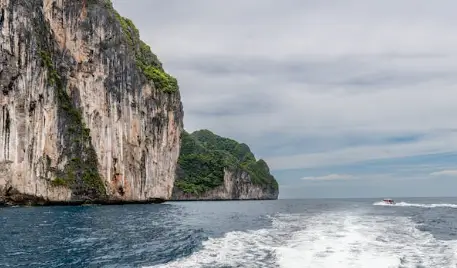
{"points": [[83, 120]]}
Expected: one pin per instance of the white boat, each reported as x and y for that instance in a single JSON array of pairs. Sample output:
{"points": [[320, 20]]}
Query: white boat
{"points": [[388, 201]]}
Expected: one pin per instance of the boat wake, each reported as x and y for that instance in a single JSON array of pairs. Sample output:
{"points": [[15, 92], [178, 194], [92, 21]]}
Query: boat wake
{"points": [[342, 239], [406, 204]]}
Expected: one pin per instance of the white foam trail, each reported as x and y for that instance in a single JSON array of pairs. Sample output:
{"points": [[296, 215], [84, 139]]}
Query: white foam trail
{"points": [[233, 250], [337, 244], [406, 204], [341, 240], [346, 240]]}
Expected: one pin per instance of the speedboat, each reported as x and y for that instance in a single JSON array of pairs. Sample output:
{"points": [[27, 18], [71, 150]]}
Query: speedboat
{"points": [[388, 201]]}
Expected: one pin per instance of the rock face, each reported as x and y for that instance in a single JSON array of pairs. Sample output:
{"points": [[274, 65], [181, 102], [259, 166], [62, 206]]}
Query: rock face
{"points": [[237, 186], [211, 167], [87, 111]]}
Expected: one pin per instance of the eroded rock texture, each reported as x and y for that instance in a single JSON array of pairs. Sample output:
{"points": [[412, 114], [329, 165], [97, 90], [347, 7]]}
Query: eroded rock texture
{"points": [[87, 111], [237, 185]]}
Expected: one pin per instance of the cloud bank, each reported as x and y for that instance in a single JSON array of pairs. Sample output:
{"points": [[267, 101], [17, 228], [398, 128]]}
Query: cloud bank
{"points": [[452, 173], [313, 84], [329, 177]]}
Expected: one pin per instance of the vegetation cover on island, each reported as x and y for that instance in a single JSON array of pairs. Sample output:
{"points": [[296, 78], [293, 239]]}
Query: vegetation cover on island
{"points": [[204, 156], [146, 61]]}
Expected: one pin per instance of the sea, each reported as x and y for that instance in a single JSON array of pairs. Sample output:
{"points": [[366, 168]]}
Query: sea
{"points": [[327, 233]]}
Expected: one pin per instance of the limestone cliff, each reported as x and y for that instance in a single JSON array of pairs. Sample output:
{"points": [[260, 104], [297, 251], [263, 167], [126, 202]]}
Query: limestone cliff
{"points": [[87, 110], [211, 167], [237, 185]]}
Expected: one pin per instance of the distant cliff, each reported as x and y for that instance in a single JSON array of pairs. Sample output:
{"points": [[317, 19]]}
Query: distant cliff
{"points": [[88, 113], [211, 167]]}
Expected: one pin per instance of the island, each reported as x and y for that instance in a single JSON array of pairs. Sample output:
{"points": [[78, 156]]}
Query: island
{"points": [[211, 167]]}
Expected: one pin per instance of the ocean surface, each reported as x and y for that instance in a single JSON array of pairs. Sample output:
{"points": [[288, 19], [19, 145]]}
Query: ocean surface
{"points": [[419, 233]]}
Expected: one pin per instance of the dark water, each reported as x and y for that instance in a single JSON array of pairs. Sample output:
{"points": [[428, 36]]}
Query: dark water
{"points": [[283, 233]]}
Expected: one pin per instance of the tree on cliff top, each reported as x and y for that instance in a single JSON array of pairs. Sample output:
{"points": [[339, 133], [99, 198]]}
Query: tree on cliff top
{"points": [[204, 156]]}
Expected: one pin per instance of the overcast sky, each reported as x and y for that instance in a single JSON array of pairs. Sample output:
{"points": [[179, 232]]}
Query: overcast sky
{"points": [[347, 98]]}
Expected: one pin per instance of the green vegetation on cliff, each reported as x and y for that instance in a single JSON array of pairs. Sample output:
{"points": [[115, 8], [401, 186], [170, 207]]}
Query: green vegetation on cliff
{"points": [[204, 156], [146, 61], [81, 172], [78, 164]]}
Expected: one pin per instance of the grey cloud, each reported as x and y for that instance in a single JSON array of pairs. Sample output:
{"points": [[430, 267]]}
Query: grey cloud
{"points": [[368, 189], [348, 71], [320, 28], [396, 78], [243, 104], [300, 77]]}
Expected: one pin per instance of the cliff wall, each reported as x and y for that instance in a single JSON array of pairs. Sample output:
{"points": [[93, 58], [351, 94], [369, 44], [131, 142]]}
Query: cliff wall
{"points": [[87, 111], [237, 186]]}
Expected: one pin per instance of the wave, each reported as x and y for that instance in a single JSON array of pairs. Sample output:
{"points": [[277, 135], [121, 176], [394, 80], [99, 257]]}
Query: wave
{"points": [[406, 204], [343, 239]]}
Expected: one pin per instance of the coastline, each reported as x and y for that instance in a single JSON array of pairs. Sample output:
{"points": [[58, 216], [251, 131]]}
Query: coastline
{"points": [[43, 203], [211, 200], [48, 203]]}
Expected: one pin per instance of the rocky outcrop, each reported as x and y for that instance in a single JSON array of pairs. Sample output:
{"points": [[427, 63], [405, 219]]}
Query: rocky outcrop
{"points": [[237, 186], [211, 167], [87, 112]]}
